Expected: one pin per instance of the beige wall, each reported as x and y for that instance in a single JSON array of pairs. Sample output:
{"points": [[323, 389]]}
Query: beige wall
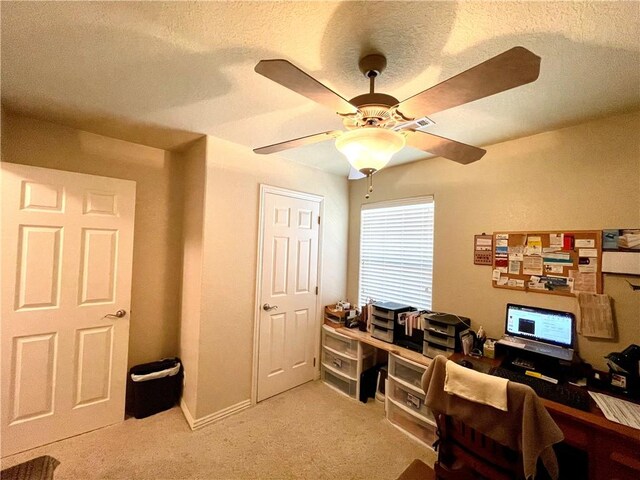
{"points": [[233, 179], [194, 163], [577, 178], [157, 255]]}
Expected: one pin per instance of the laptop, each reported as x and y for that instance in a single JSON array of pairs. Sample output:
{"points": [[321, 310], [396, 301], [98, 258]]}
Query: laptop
{"points": [[539, 330]]}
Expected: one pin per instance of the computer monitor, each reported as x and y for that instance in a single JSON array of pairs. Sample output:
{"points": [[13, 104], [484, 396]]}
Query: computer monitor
{"points": [[540, 324]]}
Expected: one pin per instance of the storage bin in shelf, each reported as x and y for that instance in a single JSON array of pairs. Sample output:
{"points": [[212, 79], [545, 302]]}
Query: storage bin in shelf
{"points": [[343, 363], [338, 342], [421, 430], [440, 339], [342, 384], [410, 397], [333, 317], [331, 312], [383, 322], [406, 371], [432, 351], [381, 311], [381, 333], [439, 328]]}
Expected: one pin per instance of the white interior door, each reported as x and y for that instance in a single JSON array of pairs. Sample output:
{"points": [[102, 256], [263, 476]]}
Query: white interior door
{"points": [[67, 246], [288, 330]]}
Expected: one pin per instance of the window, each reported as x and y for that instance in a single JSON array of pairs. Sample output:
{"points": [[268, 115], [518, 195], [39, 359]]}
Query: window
{"points": [[396, 252]]}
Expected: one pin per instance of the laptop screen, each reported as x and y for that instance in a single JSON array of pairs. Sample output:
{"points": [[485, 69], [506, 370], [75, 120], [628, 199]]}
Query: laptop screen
{"points": [[548, 326]]}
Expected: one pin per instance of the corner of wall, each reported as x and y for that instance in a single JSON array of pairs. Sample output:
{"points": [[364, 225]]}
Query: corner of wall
{"points": [[194, 163]]}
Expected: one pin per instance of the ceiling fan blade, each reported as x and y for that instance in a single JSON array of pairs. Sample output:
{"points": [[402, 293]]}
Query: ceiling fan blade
{"points": [[508, 70], [298, 142], [288, 75], [444, 147]]}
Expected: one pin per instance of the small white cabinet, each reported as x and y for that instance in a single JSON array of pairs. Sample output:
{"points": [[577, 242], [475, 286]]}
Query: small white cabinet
{"points": [[343, 360], [404, 402]]}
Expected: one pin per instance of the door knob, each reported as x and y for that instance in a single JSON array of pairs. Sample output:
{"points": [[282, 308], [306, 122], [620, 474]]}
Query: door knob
{"points": [[267, 308], [119, 314]]}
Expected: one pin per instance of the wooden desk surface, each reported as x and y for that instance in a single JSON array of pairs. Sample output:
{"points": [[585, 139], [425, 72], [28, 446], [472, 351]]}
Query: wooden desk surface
{"points": [[389, 347], [594, 419]]}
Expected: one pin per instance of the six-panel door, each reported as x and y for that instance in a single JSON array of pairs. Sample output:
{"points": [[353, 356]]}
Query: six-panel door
{"points": [[289, 280], [67, 246]]}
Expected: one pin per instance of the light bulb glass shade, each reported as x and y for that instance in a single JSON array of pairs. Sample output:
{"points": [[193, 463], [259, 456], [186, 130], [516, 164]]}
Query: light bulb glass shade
{"points": [[369, 148]]}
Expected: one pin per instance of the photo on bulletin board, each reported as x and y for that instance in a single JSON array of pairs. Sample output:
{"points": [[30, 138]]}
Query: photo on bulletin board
{"points": [[621, 240]]}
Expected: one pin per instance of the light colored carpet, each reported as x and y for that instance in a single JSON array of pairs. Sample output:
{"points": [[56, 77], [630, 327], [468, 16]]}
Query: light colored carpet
{"points": [[310, 432]]}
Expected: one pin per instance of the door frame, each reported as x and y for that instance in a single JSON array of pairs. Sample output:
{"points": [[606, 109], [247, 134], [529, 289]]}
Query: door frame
{"points": [[264, 190]]}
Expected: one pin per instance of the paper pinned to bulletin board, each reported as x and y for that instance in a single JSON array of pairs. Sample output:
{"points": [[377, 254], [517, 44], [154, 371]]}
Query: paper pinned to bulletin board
{"points": [[553, 262], [483, 249]]}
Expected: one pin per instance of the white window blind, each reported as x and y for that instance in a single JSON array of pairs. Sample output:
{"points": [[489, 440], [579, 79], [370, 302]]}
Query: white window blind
{"points": [[396, 252]]}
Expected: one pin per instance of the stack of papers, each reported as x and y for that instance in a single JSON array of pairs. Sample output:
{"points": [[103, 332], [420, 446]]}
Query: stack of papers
{"points": [[619, 411]]}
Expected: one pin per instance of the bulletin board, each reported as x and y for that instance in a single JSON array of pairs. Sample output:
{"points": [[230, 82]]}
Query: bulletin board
{"points": [[551, 262]]}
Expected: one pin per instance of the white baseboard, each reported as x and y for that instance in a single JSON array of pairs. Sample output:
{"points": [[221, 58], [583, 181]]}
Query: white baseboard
{"points": [[187, 414], [214, 417]]}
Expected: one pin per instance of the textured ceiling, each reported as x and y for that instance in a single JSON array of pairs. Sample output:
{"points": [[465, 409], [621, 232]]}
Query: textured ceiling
{"points": [[159, 72]]}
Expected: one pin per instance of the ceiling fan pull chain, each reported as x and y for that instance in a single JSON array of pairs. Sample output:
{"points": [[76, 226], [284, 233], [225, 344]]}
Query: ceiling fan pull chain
{"points": [[370, 176]]}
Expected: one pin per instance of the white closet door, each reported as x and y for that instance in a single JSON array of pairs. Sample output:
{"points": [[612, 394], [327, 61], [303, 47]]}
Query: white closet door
{"points": [[289, 279]]}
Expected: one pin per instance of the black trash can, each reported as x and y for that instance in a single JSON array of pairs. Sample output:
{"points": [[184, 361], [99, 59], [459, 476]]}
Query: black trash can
{"points": [[155, 386]]}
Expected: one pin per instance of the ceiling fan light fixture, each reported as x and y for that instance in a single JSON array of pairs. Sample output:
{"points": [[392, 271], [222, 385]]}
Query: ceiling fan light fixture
{"points": [[369, 149]]}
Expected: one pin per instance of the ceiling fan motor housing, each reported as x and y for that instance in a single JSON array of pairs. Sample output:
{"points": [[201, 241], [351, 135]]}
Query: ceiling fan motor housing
{"points": [[374, 109]]}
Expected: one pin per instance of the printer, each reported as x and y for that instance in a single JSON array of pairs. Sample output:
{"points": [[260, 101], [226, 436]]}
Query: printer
{"points": [[624, 370]]}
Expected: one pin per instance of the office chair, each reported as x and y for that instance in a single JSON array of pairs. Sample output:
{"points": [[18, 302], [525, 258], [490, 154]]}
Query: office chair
{"points": [[465, 449], [466, 454]]}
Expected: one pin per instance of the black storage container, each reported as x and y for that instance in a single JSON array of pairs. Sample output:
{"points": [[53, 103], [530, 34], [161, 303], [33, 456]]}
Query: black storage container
{"points": [[155, 386], [368, 383]]}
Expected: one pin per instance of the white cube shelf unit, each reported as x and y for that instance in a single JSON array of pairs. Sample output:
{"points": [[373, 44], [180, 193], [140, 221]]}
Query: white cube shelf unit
{"points": [[404, 401], [343, 360]]}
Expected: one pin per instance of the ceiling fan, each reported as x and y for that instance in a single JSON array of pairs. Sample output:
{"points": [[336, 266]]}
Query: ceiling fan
{"points": [[378, 125]]}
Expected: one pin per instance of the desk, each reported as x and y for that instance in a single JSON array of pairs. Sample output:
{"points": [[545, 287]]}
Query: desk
{"points": [[613, 449]]}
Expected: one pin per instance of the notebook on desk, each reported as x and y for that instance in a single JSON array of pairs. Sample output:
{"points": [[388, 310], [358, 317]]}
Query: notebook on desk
{"points": [[540, 330]]}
